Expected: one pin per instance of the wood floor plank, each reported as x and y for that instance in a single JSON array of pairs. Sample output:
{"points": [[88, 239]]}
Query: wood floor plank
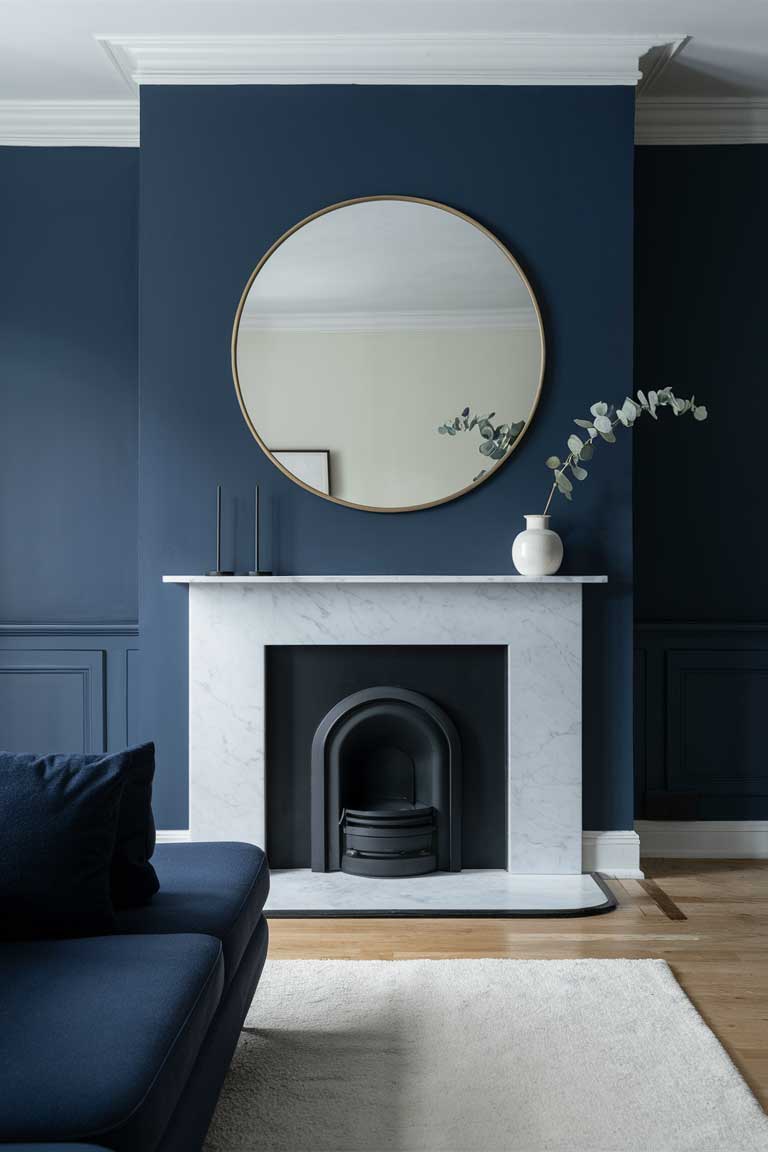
{"points": [[707, 918], [662, 900]]}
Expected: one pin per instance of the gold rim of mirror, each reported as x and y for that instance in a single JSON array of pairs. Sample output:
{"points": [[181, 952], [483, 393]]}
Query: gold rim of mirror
{"points": [[236, 328]]}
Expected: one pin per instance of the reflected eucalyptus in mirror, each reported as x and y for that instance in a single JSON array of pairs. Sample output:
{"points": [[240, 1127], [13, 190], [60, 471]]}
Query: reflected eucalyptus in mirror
{"points": [[362, 327]]}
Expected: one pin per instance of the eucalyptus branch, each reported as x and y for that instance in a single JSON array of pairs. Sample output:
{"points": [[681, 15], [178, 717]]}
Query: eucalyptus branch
{"points": [[601, 427], [495, 439]]}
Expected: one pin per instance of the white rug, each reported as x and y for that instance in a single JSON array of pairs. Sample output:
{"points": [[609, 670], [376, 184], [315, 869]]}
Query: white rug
{"points": [[480, 1056]]}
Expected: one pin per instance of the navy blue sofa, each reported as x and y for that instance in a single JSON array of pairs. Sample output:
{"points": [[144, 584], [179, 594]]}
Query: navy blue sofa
{"points": [[122, 1042]]}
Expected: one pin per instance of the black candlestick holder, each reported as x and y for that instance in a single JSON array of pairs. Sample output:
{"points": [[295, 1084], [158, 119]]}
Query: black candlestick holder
{"points": [[257, 570], [218, 571]]}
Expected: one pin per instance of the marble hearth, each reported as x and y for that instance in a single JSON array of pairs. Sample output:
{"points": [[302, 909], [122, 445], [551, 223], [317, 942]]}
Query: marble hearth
{"points": [[233, 620]]}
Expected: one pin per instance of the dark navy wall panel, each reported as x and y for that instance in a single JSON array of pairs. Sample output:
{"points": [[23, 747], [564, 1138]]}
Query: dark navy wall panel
{"points": [[702, 302], [224, 171], [68, 384], [701, 551]]}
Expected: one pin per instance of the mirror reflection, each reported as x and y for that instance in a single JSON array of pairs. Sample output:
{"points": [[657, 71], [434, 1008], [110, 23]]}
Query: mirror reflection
{"points": [[388, 353]]}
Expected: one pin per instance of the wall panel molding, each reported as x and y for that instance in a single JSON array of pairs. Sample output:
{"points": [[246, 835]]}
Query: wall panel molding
{"points": [[43, 711], [36, 720], [701, 696], [96, 629], [405, 58]]}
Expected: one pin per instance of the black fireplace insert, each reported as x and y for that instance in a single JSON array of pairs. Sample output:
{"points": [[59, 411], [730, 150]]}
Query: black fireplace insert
{"points": [[386, 786]]}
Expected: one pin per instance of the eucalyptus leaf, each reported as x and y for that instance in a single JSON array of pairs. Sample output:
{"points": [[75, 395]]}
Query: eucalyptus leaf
{"points": [[627, 414]]}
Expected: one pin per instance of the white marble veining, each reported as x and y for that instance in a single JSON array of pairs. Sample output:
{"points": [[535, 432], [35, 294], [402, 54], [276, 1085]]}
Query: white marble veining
{"points": [[231, 623], [503, 578], [487, 890]]}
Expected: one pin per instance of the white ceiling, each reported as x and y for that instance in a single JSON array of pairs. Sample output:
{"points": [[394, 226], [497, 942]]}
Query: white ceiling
{"points": [[48, 50]]}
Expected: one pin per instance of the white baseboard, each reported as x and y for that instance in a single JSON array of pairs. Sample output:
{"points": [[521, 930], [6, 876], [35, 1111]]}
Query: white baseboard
{"points": [[174, 836], [614, 853], [704, 839]]}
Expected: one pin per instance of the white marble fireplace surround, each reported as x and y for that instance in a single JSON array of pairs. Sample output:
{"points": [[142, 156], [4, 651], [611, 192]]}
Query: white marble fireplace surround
{"points": [[232, 620]]}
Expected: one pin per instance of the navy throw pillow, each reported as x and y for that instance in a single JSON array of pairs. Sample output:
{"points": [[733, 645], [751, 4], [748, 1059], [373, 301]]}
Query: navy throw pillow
{"points": [[58, 827], [134, 880]]}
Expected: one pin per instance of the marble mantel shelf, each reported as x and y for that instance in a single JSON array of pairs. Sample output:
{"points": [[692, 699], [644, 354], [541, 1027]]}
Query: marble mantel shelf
{"points": [[500, 579]]}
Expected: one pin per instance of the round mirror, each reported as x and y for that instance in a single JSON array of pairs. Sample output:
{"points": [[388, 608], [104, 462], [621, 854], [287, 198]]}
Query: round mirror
{"points": [[388, 353]]}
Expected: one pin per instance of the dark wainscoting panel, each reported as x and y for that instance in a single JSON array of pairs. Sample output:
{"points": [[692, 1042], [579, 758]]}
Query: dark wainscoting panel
{"points": [[701, 707], [67, 688]]}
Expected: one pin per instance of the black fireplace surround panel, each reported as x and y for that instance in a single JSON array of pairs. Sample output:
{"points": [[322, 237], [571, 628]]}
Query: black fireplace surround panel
{"points": [[386, 786], [413, 746]]}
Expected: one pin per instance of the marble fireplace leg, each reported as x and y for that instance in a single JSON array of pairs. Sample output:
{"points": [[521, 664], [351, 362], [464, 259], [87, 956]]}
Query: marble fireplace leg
{"points": [[226, 732], [544, 740]]}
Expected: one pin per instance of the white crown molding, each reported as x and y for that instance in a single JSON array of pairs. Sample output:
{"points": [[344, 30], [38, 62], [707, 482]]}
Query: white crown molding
{"points": [[704, 839], [407, 58], [656, 61], [674, 120], [615, 853], [414, 320], [69, 123]]}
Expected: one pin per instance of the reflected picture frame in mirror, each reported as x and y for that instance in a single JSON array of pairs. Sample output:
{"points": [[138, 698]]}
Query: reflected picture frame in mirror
{"points": [[459, 424]]}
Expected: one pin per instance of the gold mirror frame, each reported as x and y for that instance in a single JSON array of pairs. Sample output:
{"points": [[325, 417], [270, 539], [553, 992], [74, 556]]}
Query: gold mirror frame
{"points": [[236, 328]]}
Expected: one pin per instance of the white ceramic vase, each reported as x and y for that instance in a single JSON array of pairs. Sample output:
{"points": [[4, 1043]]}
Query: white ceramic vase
{"points": [[538, 551]]}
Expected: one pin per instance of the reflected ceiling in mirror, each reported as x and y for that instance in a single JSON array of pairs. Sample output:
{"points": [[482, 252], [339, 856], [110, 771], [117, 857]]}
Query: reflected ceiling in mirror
{"points": [[388, 353]]}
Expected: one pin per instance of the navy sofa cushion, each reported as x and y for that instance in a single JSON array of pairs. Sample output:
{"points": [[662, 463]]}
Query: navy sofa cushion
{"points": [[134, 880], [58, 822], [192, 1117], [219, 889], [101, 1035]]}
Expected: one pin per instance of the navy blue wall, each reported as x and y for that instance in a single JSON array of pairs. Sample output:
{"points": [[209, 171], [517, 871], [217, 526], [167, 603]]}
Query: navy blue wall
{"points": [[701, 549], [223, 173], [68, 448], [68, 379]]}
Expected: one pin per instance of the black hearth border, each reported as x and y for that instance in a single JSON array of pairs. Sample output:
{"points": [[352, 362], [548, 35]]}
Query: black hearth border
{"points": [[609, 905]]}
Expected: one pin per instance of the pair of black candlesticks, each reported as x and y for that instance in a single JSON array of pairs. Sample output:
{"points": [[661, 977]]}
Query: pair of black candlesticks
{"points": [[257, 570]]}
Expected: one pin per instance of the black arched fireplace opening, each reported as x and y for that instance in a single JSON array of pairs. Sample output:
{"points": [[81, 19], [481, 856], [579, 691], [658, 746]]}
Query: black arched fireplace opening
{"points": [[386, 786]]}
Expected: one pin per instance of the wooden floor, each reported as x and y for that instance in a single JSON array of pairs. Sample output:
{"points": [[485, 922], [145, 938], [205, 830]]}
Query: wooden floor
{"points": [[707, 919]]}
